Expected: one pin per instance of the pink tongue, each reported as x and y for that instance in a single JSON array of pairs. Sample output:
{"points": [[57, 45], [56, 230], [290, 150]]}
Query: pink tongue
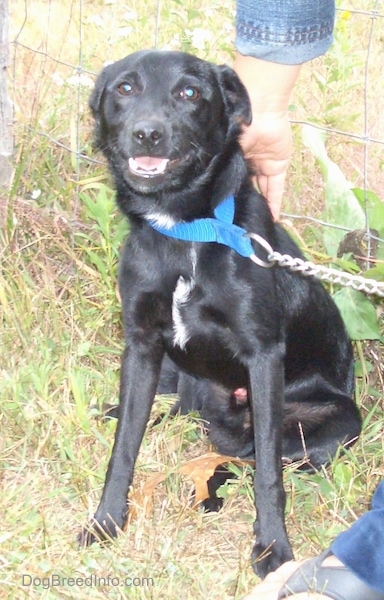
{"points": [[148, 164]]}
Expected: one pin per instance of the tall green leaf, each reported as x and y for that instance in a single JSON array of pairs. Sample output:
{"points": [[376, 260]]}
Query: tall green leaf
{"points": [[359, 314], [342, 207]]}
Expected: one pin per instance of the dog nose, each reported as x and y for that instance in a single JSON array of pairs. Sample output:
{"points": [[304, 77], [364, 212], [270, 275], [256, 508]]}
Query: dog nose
{"points": [[148, 133]]}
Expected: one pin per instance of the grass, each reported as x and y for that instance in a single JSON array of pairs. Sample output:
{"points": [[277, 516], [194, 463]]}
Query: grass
{"points": [[61, 330]]}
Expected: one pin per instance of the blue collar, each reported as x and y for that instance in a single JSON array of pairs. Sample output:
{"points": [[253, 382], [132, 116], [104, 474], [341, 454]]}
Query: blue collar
{"points": [[219, 229]]}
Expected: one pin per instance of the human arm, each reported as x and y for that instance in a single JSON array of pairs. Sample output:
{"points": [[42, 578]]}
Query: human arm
{"points": [[273, 39], [267, 141]]}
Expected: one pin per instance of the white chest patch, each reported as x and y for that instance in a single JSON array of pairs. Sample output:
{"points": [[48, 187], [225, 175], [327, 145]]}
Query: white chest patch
{"points": [[180, 298], [161, 220]]}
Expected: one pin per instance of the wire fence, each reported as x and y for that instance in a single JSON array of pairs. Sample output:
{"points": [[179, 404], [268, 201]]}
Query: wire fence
{"points": [[57, 47]]}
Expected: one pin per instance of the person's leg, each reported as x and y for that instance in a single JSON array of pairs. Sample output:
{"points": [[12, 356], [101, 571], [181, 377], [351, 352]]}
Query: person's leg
{"points": [[352, 568], [361, 547]]}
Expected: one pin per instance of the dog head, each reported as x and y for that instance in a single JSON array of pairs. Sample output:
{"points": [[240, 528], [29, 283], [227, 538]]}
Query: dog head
{"points": [[162, 117]]}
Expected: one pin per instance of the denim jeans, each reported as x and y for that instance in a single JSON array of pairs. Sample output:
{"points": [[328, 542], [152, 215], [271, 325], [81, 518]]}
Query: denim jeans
{"points": [[289, 32], [361, 548]]}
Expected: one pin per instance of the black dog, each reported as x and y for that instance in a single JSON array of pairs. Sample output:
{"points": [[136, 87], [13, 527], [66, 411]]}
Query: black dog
{"points": [[271, 342]]}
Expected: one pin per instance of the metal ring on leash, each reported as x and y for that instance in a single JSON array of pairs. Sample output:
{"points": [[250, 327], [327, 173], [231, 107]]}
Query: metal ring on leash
{"points": [[266, 246]]}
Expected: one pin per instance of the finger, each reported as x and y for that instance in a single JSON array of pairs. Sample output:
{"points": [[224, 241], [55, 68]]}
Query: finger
{"points": [[272, 188]]}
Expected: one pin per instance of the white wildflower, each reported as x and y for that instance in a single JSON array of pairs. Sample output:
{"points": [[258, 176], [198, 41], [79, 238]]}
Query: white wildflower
{"points": [[124, 31], [199, 37], [57, 78], [95, 20], [80, 79], [130, 15], [173, 44]]}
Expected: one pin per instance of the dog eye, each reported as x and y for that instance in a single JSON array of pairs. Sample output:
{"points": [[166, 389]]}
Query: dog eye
{"points": [[189, 93], [125, 88]]}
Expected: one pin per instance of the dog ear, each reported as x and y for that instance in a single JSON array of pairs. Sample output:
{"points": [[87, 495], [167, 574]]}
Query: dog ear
{"points": [[95, 97], [95, 102], [235, 95]]}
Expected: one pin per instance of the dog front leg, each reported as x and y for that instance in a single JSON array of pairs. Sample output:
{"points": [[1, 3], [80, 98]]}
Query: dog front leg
{"points": [[138, 381], [266, 375]]}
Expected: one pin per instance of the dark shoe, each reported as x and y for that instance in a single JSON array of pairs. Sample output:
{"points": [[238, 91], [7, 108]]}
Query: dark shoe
{"points": [[335, 582]]}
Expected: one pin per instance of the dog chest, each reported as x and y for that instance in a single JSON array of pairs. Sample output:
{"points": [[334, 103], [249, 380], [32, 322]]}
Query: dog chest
{"points": [[199, 318], [181, 296]]}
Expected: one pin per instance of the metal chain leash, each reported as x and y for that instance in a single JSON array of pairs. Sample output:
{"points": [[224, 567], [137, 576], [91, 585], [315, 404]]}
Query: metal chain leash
{"points": [[357, 282]]}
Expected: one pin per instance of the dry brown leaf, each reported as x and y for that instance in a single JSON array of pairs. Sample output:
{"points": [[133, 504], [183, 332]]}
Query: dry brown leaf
{"points": [[199, 469], [143, 497]]}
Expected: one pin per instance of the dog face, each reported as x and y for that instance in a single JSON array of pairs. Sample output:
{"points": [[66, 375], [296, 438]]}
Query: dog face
{"points": [[156, 136]]}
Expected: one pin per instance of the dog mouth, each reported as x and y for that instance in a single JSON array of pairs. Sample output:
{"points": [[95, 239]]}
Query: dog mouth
{"points": [[150, 166]]}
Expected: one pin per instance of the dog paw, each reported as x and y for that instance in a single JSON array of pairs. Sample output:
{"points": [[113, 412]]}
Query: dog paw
{"points": [[86, 537], [102, 531], [267, 558], [212, 504]]}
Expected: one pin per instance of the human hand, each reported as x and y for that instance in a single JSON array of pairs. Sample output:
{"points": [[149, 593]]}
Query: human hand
{"points": [[267, 142]]}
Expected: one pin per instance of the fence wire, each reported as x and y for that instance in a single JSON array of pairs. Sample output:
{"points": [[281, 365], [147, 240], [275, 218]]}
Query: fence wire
{"points": [[53, 46]]}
